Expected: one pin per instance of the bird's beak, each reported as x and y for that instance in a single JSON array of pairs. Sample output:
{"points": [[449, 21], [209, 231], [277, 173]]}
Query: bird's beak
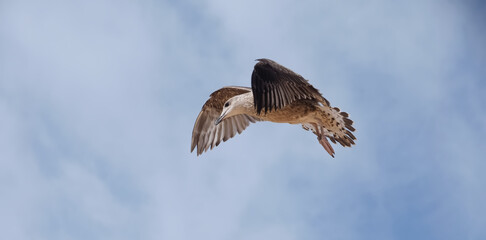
{"points": [[220, 119]]}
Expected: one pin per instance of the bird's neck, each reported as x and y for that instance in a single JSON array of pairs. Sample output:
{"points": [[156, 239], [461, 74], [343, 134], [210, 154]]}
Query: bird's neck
{"points": [[245, 104]]}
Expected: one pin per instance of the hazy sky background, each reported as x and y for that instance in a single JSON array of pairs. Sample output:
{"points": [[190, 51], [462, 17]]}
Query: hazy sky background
{"points": [[98, 100]]}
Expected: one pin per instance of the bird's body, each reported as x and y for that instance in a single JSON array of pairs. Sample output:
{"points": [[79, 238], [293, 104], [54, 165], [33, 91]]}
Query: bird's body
{"points": [[277, 95], [297, 112]]}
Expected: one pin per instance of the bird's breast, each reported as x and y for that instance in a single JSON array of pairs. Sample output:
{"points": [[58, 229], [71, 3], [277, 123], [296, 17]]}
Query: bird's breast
{"points": [[294, 113]]}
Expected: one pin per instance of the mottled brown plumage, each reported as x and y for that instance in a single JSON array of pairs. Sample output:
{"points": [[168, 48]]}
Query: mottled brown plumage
{"points": [[277, 95]]}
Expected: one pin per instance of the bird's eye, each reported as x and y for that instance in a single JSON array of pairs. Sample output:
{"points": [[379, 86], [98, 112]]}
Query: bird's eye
{"points": [[226, 104]]}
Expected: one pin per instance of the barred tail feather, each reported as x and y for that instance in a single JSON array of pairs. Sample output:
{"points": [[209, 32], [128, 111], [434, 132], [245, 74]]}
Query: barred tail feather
{"points": [[338, 125]]}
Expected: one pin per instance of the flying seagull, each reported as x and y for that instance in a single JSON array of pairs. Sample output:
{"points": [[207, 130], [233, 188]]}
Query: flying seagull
{"points": [[277, 94]]}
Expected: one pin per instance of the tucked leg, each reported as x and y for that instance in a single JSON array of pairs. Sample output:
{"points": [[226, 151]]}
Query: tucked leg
{"points": [[323, 141]]}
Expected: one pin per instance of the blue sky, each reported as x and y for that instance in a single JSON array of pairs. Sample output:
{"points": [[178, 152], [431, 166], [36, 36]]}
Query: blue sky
{"points": [[98, 100]]}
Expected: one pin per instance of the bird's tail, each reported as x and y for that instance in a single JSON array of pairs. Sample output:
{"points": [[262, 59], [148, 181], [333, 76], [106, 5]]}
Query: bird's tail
{"points": [[335, 125]]}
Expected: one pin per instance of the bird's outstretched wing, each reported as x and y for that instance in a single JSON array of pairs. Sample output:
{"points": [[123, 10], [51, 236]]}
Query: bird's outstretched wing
{"points": [[206, 134], [275, 86]]}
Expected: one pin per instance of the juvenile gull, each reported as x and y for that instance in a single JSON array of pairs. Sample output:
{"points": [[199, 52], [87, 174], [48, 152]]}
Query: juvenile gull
{"points": [[277, 94]]}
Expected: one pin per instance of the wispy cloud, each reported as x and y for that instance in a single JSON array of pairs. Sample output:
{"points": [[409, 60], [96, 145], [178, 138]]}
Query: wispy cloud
{"points": [[98, 99]]}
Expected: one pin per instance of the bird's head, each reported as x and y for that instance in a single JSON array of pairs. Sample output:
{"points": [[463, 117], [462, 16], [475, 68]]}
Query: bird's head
{"points": [[227, 111], [234, 106]]}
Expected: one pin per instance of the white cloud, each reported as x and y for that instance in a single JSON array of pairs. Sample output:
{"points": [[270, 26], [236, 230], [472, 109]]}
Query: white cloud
{"points": [[97, 101]]}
